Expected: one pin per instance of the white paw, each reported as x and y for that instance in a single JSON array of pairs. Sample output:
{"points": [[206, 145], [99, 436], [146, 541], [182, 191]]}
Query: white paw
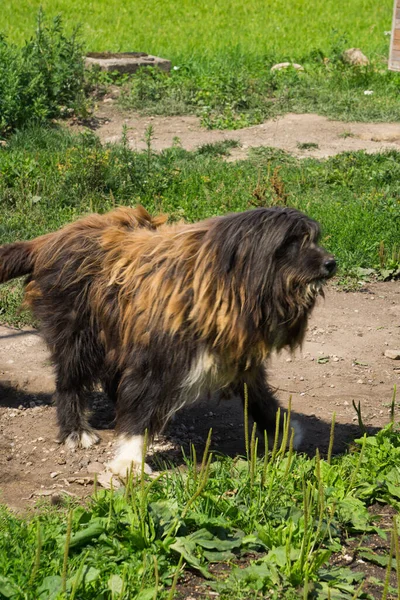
{"points": [[122, 467], [81, 439]]}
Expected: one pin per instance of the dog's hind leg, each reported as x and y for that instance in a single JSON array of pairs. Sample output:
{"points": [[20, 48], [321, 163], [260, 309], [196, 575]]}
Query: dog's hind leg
{"points": [[74, 429], [75, 359]]}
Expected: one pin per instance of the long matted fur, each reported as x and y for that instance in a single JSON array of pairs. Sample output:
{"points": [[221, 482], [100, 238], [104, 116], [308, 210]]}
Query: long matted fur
{"points": [[162, 314]]}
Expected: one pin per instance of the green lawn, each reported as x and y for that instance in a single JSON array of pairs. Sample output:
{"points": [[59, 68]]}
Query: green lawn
{"points": [[205, 30]]}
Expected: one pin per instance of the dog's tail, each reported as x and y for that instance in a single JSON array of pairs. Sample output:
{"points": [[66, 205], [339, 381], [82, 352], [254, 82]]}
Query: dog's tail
{"points": [[18, 259]]}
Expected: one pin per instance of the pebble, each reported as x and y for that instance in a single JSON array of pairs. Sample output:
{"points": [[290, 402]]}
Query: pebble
{"points": [[95, 467], [360, 381], [54, 474], [392, 354]]}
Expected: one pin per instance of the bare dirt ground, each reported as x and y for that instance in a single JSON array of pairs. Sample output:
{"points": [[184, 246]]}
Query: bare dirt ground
{"points": [[342, 361], [287, 133]]}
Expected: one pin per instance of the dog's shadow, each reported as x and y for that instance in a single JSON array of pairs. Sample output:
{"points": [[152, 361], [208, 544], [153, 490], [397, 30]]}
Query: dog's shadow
{"points": [[192, 426]]}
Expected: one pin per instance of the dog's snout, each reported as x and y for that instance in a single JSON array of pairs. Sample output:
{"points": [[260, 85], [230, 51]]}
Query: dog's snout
{"points": [[330, 266]]}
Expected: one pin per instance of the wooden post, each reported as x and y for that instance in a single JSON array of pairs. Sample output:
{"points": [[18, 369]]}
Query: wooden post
{"points": [[394, 57]]}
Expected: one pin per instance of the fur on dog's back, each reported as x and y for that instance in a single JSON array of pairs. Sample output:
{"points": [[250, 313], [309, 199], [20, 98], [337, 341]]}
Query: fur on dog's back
{"points": [[20, 258]]}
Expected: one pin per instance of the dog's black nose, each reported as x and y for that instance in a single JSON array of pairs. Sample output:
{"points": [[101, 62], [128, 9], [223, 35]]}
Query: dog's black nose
{"points": [[330, 266]]}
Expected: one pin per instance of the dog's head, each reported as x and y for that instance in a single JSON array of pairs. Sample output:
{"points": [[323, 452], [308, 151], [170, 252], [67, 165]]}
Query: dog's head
{"points": [[273, 256]]}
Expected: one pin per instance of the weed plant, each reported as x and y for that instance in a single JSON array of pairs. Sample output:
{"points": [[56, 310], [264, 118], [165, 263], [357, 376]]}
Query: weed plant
{"points": [[42, 79]]}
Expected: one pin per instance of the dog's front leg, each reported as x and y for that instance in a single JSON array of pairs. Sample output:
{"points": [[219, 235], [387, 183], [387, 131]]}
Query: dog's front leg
{"points": [[263, 405], [145, 402]]}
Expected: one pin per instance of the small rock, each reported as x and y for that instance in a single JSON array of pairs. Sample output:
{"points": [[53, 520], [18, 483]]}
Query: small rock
{"points": [[285, 65], [354, 56], [360, 381], [393, 354], [106, 479], [95, 467], [54, 474], [61, 461]]}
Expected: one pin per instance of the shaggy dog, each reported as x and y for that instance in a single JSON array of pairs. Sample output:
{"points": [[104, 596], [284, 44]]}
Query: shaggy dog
{"points": [[162, 314]]}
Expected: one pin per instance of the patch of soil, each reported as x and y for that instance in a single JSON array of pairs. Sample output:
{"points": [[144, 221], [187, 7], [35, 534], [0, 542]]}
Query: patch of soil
{"points": [[342, 361], [288, 132]]}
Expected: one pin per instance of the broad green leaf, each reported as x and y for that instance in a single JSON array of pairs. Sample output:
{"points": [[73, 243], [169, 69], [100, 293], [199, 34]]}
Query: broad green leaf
{"points": [[7, 588], [146, 594], [186, 548], [218, 556], [164, 513], [205, 539], [87, 575], [352, 511], [377, 559], [115, 584], [85, 536], [50, 588]]}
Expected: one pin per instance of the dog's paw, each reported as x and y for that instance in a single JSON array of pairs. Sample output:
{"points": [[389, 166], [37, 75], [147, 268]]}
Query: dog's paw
{"points": [[123, 466], [81, 439]]}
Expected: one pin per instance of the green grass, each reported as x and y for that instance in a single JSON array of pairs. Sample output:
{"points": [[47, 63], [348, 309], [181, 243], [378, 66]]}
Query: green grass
{"points": [[207, 31], [288, 514], [223, 74]]}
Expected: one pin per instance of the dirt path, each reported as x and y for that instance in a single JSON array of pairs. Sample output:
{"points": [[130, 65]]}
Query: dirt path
{"points": [[287, 133], [342, 360]]}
